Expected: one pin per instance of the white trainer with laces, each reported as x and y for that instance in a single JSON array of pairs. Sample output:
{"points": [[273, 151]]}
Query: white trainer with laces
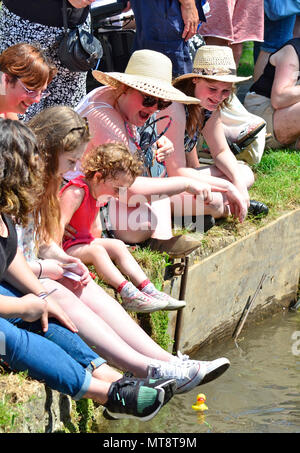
{"points": [[142, 303], [171, 303], [188, 373]]}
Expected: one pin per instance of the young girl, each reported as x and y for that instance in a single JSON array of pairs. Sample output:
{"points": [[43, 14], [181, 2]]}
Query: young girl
{"points": [[101, 321], [49, 349], [212, 82], [107, 169]]}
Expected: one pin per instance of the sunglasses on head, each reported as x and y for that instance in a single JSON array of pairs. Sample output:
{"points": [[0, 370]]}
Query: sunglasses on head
{"points": [[150, 101]]}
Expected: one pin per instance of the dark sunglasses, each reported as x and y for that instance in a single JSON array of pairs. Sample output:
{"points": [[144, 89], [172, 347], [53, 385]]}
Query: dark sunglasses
{"points": [[150, 101]]}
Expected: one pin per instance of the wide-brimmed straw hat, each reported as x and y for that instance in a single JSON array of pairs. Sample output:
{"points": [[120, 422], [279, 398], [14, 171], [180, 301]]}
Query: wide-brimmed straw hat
{"points": [[149, 72], [215, 63]]}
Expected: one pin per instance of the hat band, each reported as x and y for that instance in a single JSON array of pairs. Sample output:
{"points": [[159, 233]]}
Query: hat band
{"points": [[215, 71]]}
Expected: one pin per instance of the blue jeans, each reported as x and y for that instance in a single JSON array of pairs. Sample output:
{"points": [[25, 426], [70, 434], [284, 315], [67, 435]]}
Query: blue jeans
{"points": [[159, 26], [58, 357]]}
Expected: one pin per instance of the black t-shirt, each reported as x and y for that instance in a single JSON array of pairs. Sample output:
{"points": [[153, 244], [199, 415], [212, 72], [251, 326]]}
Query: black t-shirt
{"points": [[263, 85], [46, 12], [8, 246]]}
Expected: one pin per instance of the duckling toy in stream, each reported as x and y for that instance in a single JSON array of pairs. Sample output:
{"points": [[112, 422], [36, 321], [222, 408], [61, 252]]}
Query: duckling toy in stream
{"points": [[200, 403]]}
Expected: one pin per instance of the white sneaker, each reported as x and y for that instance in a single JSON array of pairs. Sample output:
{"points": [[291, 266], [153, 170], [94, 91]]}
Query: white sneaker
{"points": [[172, 304], [142, 303], [189, 373]]}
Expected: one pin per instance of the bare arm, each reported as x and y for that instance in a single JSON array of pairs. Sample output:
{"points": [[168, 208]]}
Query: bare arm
{"points": [[20, 276], [224, 159], [190, 18], [285, 92]]}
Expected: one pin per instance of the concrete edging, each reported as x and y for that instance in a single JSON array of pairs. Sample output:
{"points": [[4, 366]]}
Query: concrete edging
{"points": [[219, 286]]}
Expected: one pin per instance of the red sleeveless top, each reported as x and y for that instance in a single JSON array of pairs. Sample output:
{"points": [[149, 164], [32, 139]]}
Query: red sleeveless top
{"points": [[83, 218]]}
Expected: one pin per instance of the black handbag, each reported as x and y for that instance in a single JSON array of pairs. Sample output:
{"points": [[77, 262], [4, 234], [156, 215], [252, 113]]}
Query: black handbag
{"points": [[79, 50]]}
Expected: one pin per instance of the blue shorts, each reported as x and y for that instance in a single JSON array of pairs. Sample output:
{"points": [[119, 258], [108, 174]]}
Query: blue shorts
{"points": [[58, 357], [277, 33]]}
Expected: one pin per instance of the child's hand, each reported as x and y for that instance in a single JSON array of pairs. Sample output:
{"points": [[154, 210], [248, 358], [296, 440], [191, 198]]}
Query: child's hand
{"points": [[79, 269], [200, 189]]}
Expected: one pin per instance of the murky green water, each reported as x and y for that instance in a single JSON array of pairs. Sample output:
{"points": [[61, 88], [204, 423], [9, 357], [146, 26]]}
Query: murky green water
{"points": [[260, 393]]}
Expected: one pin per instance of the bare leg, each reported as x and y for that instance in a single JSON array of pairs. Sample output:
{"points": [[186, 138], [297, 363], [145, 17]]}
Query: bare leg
{"points": [[286, 124], [119, 253], [260, 64], [139, 223], [97, 316]]}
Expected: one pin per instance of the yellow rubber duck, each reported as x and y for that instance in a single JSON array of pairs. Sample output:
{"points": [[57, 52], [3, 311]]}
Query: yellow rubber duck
{"points": [[200, 403]]}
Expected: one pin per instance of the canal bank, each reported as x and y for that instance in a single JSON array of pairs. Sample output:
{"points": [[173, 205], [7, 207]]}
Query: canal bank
{"points": [[221, 286], [218, 287]]}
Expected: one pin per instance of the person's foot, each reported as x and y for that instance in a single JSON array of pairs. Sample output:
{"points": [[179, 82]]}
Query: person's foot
{"points": [[139, 302], [199, 226], [172, 304], [135, 398], [189, 373], [257, 208], [176, 247]]}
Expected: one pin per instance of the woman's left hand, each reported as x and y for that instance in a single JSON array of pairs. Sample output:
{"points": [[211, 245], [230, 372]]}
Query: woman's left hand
{"points": [[164, 149]]}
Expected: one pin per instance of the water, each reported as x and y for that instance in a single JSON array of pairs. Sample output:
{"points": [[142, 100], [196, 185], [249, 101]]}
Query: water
{"points": [[260, 393]]}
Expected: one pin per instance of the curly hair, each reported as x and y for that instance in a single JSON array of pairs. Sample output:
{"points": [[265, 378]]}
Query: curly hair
{"points": [[29, 63], [21, 170], [110, 159], [195, 111], [58, 130]]}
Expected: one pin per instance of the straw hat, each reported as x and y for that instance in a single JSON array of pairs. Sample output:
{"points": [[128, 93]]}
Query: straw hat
{"points": [[149, 72], [215, 63]]}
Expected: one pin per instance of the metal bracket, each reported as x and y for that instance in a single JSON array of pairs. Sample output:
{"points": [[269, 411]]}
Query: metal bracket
{"points": [[176, 269]]}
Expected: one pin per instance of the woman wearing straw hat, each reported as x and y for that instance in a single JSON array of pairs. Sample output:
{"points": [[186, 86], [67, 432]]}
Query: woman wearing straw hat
{"points": [[212, 82], [114, 113]]}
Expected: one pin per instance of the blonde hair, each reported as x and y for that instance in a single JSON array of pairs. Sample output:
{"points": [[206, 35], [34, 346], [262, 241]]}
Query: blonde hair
{"points": [[58, 130], [110, 159]]}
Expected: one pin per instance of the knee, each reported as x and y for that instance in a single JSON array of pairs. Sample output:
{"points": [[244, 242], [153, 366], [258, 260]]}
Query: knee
{"points": [[248, 175]]}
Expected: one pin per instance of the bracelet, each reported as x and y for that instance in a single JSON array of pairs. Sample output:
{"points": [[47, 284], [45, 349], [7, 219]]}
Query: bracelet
{"points": [[41, 269]]}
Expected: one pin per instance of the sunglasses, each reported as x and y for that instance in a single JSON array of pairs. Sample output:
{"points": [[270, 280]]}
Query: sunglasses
{"points": [[150, 101], [34, 93]]}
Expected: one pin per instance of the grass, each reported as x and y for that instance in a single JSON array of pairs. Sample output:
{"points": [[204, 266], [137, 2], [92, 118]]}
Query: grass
{"points": [[246, 64], [277, 180]]}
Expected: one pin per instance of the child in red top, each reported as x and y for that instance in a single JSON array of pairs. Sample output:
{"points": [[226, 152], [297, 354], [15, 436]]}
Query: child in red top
{"points": [[107, 169]]}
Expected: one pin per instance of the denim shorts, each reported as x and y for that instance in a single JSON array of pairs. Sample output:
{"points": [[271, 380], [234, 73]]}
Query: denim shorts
{"points": [[57, 357]]}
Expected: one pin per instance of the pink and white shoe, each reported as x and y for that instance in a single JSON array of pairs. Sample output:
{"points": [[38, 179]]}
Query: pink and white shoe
{"points": [[139, 302], [171, 303]]}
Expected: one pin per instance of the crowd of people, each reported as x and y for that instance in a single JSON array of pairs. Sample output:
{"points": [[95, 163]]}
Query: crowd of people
{"points": [[85, 175]]}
